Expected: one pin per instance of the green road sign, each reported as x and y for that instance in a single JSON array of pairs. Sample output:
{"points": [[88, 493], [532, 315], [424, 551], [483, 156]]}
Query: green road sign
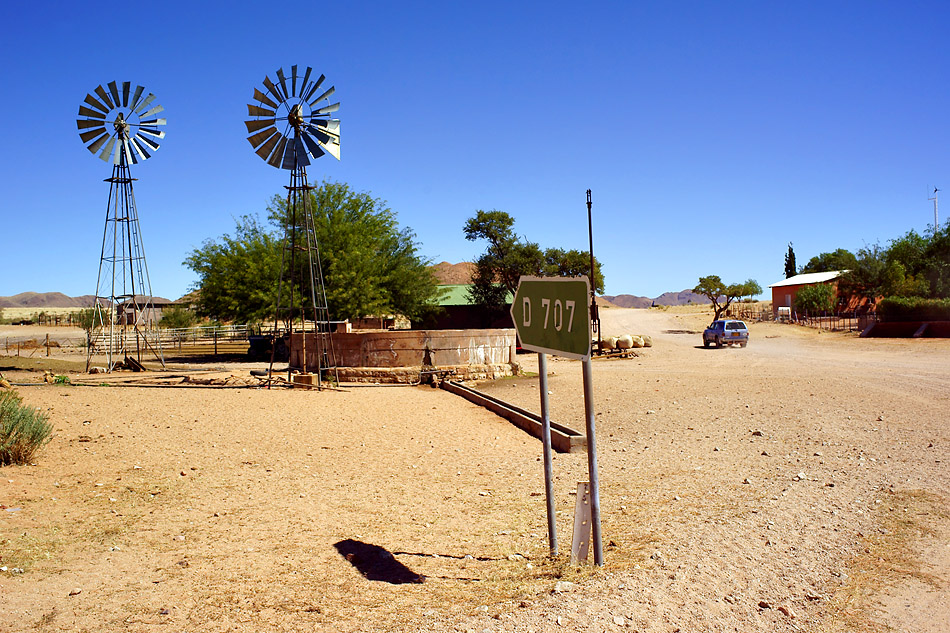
{"points": [[552, 315]]}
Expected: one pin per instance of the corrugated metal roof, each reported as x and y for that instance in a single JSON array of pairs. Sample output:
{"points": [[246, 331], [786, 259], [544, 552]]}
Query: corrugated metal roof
{"points": [[809, 278]]}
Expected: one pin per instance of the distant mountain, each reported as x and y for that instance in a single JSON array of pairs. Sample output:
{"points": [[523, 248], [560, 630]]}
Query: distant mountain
{"points": [[447, 273], [41, 300], [666, 299]]}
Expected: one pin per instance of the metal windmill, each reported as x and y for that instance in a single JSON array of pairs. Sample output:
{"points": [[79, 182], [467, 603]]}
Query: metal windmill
{"points": [[119, 125], [290, 124]]}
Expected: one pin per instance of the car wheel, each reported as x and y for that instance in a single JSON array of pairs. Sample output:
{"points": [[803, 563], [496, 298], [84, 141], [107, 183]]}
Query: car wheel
{"points": [[718, 342], [743, 344], [705, 342]]}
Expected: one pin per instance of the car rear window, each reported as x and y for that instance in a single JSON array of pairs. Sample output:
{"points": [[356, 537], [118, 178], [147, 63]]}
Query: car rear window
{"points": [[735, 325]]}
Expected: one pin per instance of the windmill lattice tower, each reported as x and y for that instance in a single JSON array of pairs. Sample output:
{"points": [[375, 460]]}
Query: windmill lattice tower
{"points": [[119, 125], [291, 124]]}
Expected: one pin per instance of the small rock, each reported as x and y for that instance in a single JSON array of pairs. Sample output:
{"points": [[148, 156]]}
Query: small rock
{"points": [[619, 620], [757, 433], [747, 481], [764, 605], [786, 611], [562, 585], [75, 592], [800, 477]]}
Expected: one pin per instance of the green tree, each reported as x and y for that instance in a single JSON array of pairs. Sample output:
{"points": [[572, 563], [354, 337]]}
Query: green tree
{"points": [[507, 258], [815, 299], [237, 274], [177, 318], [86, 319], [370, 265], [790, 270], [721, 295], [840, 259], [867, 277]]}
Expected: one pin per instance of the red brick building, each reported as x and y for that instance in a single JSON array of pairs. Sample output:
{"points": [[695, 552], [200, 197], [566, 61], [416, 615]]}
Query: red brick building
{"points": [[783, 292]]}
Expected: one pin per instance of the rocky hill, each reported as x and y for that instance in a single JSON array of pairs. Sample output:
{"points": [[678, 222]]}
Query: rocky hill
{"points": [[40, 300]]}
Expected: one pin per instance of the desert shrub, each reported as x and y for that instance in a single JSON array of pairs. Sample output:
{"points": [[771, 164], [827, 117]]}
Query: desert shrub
{"points": [[913, 309], [23, 430], [177, 318]]}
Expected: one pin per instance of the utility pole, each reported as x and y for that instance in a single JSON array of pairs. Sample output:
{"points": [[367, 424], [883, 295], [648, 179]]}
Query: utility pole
{"points": [[594, 314], [935, 211]]}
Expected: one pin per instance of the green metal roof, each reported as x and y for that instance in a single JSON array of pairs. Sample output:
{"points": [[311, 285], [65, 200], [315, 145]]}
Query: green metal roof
{"points": [[457, 295]]}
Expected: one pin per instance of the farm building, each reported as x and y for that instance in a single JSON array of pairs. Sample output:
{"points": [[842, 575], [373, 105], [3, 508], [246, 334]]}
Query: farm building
{"points": [[783, 292], [459, 313]]}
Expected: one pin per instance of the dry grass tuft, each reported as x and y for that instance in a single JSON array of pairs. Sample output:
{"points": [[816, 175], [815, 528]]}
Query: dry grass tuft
{"points": [[888, 557]]}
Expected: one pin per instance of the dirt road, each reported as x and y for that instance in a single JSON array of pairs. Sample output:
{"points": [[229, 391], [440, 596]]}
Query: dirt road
{"points": [[799, 484]]}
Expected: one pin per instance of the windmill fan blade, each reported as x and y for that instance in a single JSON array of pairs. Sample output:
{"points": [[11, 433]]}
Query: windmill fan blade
{"points": [[114, 90], [325, 95], [135, 97], [99, 143], [272, 88], [83, 110], [126, 86], [152, 132], [107, 152], [300, 151], [278, 155], [127, 152], [154, 110], [293, 84], [331, 144], [254, 110], [328, 109], [314, 88], [91, 134], [330, 126], [138, 150], [313, 146], [261, 136], [283, 83], [86, 123], [147, 141], [290, 160], [147, 100], [263, 98], [258, 124], [153, 122], [306, 78], [105, 97], [92, 101], [265, 150]]}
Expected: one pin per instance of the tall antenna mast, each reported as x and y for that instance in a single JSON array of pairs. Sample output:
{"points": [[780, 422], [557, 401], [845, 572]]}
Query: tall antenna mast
{"points": [[935, 211]]}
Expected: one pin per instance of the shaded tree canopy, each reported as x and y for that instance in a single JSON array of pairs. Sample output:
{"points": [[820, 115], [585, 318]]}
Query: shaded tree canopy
{"points": [[507, 258], [722, 295], [815, 299], [840, 259], [370, 265]]}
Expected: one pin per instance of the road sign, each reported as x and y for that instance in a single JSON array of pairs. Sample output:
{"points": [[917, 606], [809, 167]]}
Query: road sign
{"points": [[552, 315]]}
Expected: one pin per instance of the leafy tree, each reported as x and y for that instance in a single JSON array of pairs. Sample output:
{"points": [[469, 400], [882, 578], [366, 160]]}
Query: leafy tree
{"points": [[867, 277], [370, 265], [790, 270], [237, 275], [840, 259], [721, 295], [507, 258], [815, 299], [177, 318]]}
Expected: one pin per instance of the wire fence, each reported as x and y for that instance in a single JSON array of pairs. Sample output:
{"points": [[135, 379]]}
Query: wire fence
{"points": [[177, 342]]}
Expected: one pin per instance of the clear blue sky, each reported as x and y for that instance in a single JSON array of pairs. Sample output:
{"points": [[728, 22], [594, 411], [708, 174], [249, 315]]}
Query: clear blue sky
{"points": [[711, 134]]}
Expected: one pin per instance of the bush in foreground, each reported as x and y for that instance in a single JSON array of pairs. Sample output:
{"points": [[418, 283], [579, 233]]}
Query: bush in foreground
{"points": [[23, 430]]}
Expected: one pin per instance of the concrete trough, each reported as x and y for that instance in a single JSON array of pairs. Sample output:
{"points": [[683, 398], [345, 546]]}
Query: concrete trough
{"points": [[401, 355]]}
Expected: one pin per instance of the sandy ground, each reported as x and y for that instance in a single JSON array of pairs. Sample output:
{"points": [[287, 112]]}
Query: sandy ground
{"points": [[799, 484]]}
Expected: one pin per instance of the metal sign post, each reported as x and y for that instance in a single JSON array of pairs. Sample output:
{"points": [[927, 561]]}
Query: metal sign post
{"points": [[546, 442], [552, 316]]}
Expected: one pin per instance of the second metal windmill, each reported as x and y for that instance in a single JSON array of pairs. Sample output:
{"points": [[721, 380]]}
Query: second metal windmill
{"points": [[290, 124]]}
